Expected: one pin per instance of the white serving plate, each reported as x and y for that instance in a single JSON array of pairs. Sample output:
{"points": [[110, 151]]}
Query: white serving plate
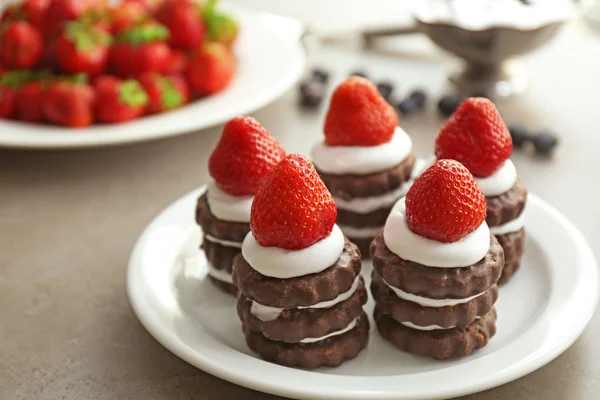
{"points": [[541, 312], [270, 59]]}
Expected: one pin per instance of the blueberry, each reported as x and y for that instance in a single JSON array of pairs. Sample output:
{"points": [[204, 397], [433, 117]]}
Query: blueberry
{"points": [[408, 106], [311, 94], [320, 75], [519, 135], [358, 73], [419, 96], [545, 142], [386, 89], [448, 104]]}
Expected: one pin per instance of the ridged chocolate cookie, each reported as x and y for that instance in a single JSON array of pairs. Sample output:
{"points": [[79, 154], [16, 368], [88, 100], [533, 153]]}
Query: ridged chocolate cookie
{"points": [[220, 256], [507, 206], [438, 283], [375, 218], [224, 286], [440, 344], [460, 315], [363, 246], [211, 225], [301, 291], [330, 352], [514, 246], [295, 324], [349, 186]]}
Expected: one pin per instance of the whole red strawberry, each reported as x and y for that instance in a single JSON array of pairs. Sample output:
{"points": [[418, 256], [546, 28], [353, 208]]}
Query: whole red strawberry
{"points": [[445, 203], [126, 15], [33, 11], [69, 104], [359, 116], [244, 156], [211, 68], [61, 11], [20, 46], [476, 136], [29, 101], [119, 100], [82, 49], [178, 62], [140, 49], [292, 209], [184, 23], [164, 92]]}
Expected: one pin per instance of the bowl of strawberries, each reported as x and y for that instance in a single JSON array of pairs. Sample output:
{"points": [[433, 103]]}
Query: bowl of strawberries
{"points": [[76, 73]]}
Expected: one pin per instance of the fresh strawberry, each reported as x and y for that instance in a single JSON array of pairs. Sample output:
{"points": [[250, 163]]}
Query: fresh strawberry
{"points": [[444, 203], [476, 136], [69, 104], [61, 11], [82, 49], [220, 27], [7, 102], [20, 45], [149, 5], [244, 156], [29, 101], [358, 115], [211, 68], [119, 100], [33, 11], [164, 92], [100, 18], [292, 209], [126, 15], [184, 23], [140, 49], [178, 62]]}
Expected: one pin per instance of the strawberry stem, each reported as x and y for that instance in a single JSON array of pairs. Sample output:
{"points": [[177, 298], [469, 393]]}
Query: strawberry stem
{"points": [[86, 38], [171, 98], [144, 34], [132, 93]]}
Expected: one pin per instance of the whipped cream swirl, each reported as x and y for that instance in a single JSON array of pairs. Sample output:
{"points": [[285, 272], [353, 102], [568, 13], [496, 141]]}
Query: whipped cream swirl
{"points": [[281, 263], [410, 246], [362, 160], [227, 207], [500, 181]]}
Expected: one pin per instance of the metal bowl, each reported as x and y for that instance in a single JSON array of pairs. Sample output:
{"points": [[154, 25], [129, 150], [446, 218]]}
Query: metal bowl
{"points": [[489, 54]]}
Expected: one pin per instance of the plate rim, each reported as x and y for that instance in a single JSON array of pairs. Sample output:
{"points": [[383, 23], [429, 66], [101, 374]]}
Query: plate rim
{"points": [[180, 349], [80, 139]]}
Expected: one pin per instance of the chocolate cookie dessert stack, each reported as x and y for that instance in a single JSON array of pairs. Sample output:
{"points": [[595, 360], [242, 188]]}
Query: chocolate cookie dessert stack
{"points": [[366, 159], [477, 136], [436, 267], [301, 295], [244, 156]]}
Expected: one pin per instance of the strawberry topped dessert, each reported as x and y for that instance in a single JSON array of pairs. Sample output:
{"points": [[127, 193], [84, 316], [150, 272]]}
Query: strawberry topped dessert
{"points": [[301, 294], [243, 158], [477, 136], [436, 267], [366, 159]]}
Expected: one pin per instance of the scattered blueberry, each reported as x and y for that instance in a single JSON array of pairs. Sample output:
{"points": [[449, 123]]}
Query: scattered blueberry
{"points": [[386, 89], [448, 104], [320, 75], [408, 106], [358, 73], [419, 96], [311, 94], [545, 142], [519, 135]]}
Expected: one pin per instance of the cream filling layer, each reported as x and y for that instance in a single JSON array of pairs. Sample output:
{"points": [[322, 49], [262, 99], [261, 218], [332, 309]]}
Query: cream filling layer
{"points": [[222, 242], [219, 274], [426, 301], [350, 326], [268, 313], [511, 226]]}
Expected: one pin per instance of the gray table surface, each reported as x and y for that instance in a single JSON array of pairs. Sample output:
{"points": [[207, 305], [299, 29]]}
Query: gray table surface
{"points": [[69, 219]]}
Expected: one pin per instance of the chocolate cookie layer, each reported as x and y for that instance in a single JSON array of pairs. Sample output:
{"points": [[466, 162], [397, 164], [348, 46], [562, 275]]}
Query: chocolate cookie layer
{"points": [[296, 324], [301, 291], [220, 256], [460, 315], [376, 218], [514, 246], [363, 246], [211, 225], [349, 186], [330, 352], [440, 344], [438, 283], [507, 206], [224, 286]]}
